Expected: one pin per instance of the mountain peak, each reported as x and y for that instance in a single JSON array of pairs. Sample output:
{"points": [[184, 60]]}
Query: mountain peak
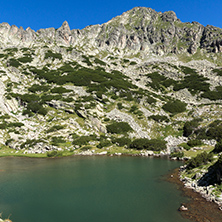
{"points": [[65, 28], [65, 24]]}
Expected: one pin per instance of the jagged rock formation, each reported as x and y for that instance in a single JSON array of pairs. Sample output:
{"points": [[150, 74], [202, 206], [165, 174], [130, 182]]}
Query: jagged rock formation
{"points": [[138, 30]]}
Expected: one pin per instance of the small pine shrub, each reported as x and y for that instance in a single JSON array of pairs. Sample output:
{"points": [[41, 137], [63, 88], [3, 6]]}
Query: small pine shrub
{"points": [[86, 148], [153, 144], [150, 100], [30, 143], [195, 142], [15, 124], [133, 63], [215, 130], [14, 63], [218, 71], [121, 141], [218, 147], [177, 154], [133, 108], [37, 108], [175, 107], [100, 62], [185, 146], [56, 140], [190, 126], [25, 59], [213, 95], [83, 140], [104, 143], [60, 90], [159, 118], [118, 128], [120, 106]]}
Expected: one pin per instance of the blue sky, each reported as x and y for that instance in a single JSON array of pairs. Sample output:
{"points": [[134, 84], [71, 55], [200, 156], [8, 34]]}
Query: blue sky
{"points": [[79, 14]]}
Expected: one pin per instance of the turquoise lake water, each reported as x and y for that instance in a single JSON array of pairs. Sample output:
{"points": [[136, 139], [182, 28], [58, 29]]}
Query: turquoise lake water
{"points": [[88, 189]]}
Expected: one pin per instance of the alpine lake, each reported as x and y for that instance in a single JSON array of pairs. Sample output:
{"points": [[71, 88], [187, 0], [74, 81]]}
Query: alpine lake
{"points": [[95, 188]]}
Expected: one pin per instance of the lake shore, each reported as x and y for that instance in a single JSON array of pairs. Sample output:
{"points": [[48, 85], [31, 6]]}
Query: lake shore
{"points": [[198, 208]]}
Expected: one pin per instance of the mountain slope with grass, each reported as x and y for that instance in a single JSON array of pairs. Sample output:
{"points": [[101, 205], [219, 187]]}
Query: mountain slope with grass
{"points": [[143, 83]]}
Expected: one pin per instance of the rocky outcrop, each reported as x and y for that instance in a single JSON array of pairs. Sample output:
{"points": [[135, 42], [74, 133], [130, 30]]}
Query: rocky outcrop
{"points": [[119, 116], [95, 122]]}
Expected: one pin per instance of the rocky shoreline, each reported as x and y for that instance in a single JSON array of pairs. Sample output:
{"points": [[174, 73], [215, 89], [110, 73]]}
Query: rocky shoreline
{"points": [[198, 208], [204, 191]]}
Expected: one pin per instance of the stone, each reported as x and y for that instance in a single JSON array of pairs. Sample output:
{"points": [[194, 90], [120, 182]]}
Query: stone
{"points": [[183, 208], [103, 153]]}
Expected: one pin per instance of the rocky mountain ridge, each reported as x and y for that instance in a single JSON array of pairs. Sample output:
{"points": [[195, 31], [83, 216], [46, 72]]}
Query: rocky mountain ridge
{"points": [[140, 30], [111, 87]]}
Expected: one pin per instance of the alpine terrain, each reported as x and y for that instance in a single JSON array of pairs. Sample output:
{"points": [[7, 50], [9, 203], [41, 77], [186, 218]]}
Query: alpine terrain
{"points": [[144, 83]]}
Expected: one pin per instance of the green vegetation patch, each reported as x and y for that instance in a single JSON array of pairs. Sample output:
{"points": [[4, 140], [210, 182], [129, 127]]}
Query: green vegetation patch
{"points": [[190, 127], [30, 143], [175, 107], [159, 118], [104, 143], [119, 128], [133, 63], [33, 102], [100, 62], [134, 109], [25, 59], [82, 140], [122, 141], [213, 130], [54, 153], [11, 51], [39, 88], [213, 95], [218, 147], [153, 144], [192, 81], [120, 106], [13, 62], [60, 90], [177, 154], [150, 100], [200, 159], [36, 107], [159, 81], [55, 128], [86, 60], [218, 71], [57, 140], [53, 55], [194, 142], [3, 56], [96, 80], [6, 125]]}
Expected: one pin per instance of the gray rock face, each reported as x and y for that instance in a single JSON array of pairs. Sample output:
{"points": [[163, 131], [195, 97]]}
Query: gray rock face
{"points": [[140, 29]]}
